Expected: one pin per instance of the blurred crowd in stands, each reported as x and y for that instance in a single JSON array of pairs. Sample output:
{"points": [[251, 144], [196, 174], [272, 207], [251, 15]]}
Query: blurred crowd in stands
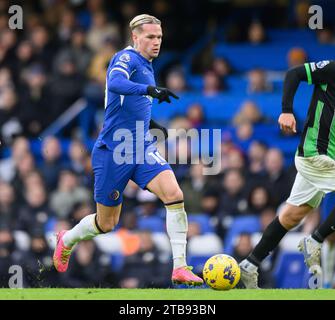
{"points": [[47, 184]]}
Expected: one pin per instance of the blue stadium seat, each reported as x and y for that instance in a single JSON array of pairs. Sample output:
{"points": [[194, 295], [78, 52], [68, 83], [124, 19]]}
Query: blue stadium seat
{"points": [[203, 220], [152, 223], [247, 224], [328, 204], [290, 271]]}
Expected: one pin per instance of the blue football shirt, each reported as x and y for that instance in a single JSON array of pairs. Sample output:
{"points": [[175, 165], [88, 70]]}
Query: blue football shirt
{"points": [[127, 104]]}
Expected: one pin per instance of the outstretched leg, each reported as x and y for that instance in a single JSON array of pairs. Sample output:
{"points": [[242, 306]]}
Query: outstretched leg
{"points": [[288, 218], [89, 227]]}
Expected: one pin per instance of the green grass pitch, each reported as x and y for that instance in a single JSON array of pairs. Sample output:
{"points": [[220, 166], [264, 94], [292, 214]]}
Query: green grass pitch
{"points": [[165, 294]]}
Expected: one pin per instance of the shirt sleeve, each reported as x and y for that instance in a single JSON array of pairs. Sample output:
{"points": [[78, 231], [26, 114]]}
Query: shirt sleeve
{"points": [[292, 80], [123, 66], [321, 72]]}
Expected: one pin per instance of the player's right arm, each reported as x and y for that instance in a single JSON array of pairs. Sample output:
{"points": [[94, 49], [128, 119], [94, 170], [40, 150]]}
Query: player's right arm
{"points": [[119, 75], [118, 80]]}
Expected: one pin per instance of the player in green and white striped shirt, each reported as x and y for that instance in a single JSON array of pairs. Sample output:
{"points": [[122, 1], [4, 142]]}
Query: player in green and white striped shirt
{"points": [[315, 163]]}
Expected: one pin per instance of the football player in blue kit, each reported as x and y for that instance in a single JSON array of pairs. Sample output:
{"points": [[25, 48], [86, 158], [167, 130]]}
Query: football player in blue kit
{"points": [[126, 151]]}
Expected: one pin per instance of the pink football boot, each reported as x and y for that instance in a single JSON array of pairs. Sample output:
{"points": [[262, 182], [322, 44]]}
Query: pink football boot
{"points": [[184, 275], [62, 253]]}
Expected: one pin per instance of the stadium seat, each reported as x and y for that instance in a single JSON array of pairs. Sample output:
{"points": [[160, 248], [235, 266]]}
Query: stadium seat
{"points": [[290, 271], [152, 223], [203, 220], [247, 224]]}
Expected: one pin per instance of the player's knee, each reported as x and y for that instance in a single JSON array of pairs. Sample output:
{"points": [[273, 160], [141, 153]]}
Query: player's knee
{"points": [[108, 225], [290, 220], [175, 194]]}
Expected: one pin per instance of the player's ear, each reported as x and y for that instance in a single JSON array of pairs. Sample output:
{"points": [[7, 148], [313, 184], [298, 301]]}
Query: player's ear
{"points": [[134, 37]]}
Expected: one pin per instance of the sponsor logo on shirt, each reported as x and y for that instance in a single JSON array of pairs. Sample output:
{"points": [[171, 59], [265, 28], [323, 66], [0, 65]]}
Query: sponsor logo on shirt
{"points": [[125, 57], [322, 64]]}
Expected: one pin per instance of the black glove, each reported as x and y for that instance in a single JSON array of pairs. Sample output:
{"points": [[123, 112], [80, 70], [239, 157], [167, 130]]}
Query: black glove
{"points": [[162, 94], [155, 125]]}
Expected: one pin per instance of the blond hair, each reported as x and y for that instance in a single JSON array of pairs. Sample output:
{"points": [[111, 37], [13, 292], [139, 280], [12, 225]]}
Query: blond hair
{"points": [[143, 19]]}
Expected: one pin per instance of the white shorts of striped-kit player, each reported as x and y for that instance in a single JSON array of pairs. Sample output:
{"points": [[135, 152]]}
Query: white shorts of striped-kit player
{"points": [[315, 178]]}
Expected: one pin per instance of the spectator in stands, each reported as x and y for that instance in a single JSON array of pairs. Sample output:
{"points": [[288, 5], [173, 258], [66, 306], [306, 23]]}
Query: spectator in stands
{"points": [[325, 36], [233, 200], [212, 84], [34, 99], [25, 165], [80, 162], [19, 147], [243, 246], [248, 112], [145, 268], [66, 86], [36, 211], [8, 205], [302, 16], [100, 30], [66, 25], [257, 82], [210, 200], [99, 62], [256, 33], [32, 180], [8, 42], [68, 193], [259, 199], [221, 67], [89, 267], [256, 158], [43, 47], [235, 160], [195, 114], [279, 182], [175, 81], [296, 56], [9, 120], [244, 132], [52, 162], [193, 188], [25, 57], [78, 50]]}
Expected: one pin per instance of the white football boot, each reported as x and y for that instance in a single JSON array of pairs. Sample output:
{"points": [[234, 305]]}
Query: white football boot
{"points": [[311, 250], [249, 274]]}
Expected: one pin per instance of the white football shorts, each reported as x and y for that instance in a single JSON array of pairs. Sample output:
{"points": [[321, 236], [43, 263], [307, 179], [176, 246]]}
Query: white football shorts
{"points": [[315, 178]]}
